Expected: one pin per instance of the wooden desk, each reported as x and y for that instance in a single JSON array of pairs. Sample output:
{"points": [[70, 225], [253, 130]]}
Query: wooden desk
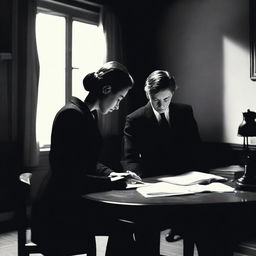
{"points": [[217, 220]]}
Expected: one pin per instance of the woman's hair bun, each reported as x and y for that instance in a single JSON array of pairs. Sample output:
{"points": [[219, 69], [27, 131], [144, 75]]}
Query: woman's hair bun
{"points": [[111, 73], [90, 82]]}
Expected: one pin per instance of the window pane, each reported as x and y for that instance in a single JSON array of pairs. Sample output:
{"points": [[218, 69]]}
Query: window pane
{"points": [[50, 32], [88, 49]]}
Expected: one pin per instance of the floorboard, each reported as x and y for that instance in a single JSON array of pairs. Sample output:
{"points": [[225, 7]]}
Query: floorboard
{"points": [[8, 246]]}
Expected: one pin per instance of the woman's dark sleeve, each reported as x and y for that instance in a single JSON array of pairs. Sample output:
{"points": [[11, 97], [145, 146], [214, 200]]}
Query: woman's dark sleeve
{"points": [[70, 155], [131, 154], [103, 169]]}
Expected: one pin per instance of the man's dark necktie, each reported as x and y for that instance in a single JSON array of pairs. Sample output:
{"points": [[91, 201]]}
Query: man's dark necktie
{"points": [[163, 122]]}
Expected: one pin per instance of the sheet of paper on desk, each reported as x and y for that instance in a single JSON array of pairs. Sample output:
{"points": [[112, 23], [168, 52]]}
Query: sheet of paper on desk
{"points": [[132, 183], [160, 189], [212, 187], [163, 189], [192, 177]]}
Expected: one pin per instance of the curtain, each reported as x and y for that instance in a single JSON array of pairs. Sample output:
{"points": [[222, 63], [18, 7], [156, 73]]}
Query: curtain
{"points": [[112, 124], [28, 84]]}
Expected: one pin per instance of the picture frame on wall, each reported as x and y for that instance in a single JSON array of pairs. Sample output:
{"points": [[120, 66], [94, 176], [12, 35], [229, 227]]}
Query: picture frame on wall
{"points": [[253, 40]]}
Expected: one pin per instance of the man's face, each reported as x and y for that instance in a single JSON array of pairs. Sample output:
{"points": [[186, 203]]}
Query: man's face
{"points": [[161, 100]]}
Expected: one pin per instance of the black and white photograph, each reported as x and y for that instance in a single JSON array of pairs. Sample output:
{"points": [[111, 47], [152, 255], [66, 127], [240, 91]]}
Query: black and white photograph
{"points": [[128, 128]]}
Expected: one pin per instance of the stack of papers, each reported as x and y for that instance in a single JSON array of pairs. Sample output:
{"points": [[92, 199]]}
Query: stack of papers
{"points": [[184, 184], [230, 172], [193, 177]]}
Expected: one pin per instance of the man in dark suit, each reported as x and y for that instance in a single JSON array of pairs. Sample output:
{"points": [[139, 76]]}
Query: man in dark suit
{"points": [[161, 137]]}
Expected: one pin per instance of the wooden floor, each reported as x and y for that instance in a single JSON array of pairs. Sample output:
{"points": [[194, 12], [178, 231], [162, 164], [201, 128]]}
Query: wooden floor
{"points": [[8, 245]]}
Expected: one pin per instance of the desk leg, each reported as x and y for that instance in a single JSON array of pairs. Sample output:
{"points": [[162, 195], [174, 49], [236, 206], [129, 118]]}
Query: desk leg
{"points": [[147, 242], [188, 247]]}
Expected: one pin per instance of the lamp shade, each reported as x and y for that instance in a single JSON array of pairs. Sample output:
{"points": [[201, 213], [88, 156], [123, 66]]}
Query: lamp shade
{"points": [[248, 126]]}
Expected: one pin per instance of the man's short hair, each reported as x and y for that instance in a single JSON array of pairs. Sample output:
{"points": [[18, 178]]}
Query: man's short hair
{"points": [[160, 80]]}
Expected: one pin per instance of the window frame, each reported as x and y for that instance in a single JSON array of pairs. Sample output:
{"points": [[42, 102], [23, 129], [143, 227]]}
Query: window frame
{"points": [[72, 10], [75, 10]]}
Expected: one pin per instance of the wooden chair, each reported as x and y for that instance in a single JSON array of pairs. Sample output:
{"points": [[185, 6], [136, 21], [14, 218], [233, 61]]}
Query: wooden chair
{"points": [[25, 245]]}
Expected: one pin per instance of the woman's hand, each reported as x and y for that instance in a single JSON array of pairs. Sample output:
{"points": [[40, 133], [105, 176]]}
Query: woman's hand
{"points": [[133, 175], [127, 174], [118, 174]]}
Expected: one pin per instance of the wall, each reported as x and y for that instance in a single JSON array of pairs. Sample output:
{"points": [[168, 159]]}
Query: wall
{"points": [[5, 100], [9, 167], [5, 69], [205, 44], [140, 22], [6, 23]]}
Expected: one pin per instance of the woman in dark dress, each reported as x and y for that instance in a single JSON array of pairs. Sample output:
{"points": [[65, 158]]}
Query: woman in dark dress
{"points": [[58, 211]]}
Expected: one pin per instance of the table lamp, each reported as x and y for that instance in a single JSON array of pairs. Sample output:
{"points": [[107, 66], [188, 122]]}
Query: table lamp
{"points": [[248, 129]]}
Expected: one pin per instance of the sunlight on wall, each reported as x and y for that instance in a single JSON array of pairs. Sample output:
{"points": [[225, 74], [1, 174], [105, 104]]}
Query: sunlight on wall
{"points": [[239, 91]]}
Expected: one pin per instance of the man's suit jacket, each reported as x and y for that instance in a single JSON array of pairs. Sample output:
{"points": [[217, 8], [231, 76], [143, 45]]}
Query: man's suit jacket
{"points": [[149, 151]]}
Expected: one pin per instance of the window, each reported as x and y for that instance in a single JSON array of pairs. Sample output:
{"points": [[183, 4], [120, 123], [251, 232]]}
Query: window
{"points": [[70, 44]]}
